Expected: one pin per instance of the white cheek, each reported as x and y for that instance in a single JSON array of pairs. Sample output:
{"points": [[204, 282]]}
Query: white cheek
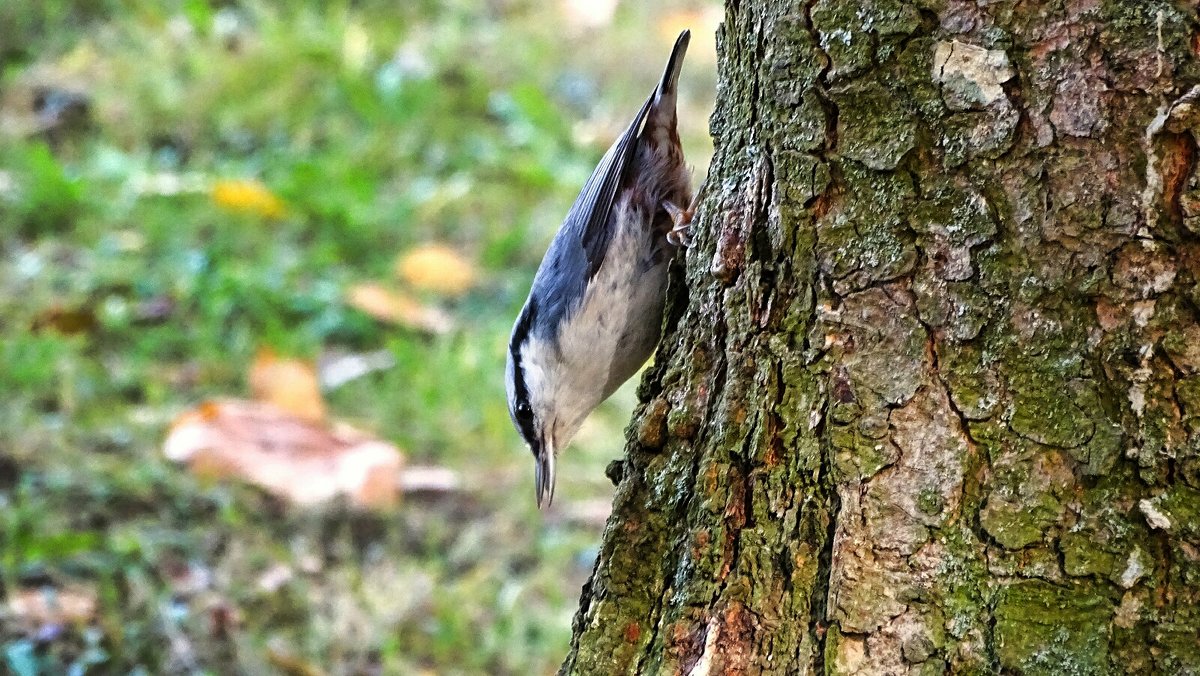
{"points": [[536, 369], [567, 380]]}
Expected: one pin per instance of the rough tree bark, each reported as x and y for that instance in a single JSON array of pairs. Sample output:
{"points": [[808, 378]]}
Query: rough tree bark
{"points": [[929, 396]]}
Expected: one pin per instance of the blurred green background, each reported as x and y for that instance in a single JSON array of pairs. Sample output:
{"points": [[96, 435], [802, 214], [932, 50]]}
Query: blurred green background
{"points": [[131, 291]]}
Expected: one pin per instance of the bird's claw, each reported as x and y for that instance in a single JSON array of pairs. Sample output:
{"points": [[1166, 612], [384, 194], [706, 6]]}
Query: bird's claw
{"points": [[681, 233]]}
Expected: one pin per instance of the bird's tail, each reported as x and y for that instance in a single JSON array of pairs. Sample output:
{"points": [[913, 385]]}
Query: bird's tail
{"points": [[670, 79]]}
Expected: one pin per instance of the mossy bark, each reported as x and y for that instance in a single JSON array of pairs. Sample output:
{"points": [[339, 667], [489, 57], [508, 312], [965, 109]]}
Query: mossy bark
{"points": [[928, 399]]}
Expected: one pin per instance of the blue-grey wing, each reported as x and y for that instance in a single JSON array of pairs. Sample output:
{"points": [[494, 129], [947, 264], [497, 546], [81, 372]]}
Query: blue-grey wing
{"points": [[579, 247], [589, 216]]}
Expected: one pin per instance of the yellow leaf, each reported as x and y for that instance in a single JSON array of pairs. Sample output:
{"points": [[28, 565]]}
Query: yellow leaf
{"points": [[303, 461], [437, 268], [247, 196], [396, 308], [290, 384]]}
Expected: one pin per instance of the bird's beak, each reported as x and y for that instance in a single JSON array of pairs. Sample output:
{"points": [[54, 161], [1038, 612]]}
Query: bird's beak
{"points": [[544, 475]]}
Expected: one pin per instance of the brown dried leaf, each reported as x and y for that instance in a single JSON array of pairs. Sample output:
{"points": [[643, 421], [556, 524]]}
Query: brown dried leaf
{"points": [[290, 384], [298, 459], [66, 320], [397, 308]]}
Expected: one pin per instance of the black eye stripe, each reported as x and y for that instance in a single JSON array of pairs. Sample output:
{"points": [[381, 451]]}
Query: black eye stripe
{"points": [[523, 414], [522, 410]]}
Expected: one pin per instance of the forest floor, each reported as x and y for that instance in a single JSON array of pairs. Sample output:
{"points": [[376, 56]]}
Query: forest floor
{"points": [[187, 186]]}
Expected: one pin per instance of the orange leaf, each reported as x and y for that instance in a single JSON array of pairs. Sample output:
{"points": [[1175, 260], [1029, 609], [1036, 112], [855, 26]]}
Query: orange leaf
{"points": [[297, 459], [397, 308], [290, 384], [437, 268]]}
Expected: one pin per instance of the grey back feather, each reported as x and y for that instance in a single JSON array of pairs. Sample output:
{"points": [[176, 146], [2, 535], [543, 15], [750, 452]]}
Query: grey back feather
{"points": [[592, 209], [580, 246], [582, 242]]}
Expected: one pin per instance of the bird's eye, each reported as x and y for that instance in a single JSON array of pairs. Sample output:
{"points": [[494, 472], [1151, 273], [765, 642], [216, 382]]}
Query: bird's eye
{"points": [[524, 412]]}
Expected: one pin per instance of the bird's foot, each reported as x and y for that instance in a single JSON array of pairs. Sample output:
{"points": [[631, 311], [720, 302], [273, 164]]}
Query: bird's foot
{"points": [[681, 233]]}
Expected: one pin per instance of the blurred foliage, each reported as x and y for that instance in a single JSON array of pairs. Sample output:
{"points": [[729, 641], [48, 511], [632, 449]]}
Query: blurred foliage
{"points": [[183, 183]]}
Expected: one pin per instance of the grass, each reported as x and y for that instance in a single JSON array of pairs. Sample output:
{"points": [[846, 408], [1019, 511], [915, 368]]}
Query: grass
{"points": [[127, 295]]}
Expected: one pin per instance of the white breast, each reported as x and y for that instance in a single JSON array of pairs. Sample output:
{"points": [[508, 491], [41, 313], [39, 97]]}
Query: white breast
{"points": [[612, 333]]}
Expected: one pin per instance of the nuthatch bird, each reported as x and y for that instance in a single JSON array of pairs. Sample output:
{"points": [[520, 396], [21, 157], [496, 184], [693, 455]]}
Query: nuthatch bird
{"points": [[594, 313]]}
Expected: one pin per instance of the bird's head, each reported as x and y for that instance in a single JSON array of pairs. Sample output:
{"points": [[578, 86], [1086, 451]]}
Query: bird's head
{"points": [[546, 403], [532, 413]]}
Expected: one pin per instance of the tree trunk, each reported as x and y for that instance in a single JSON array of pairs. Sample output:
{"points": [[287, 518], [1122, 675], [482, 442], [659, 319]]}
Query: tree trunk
{"points": [[929, 395]]}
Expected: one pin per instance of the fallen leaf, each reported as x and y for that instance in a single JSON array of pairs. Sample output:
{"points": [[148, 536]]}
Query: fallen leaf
{"points": [[247, 196], [295, 458], [338, 368], [290, 384], [47, 606], [66, 320], [437, 268], [427, 479], [397, 308]]}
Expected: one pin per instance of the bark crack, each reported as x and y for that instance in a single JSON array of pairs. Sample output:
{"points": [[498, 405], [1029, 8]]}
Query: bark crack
{"points": [[1156, 187], [819, 601]]}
